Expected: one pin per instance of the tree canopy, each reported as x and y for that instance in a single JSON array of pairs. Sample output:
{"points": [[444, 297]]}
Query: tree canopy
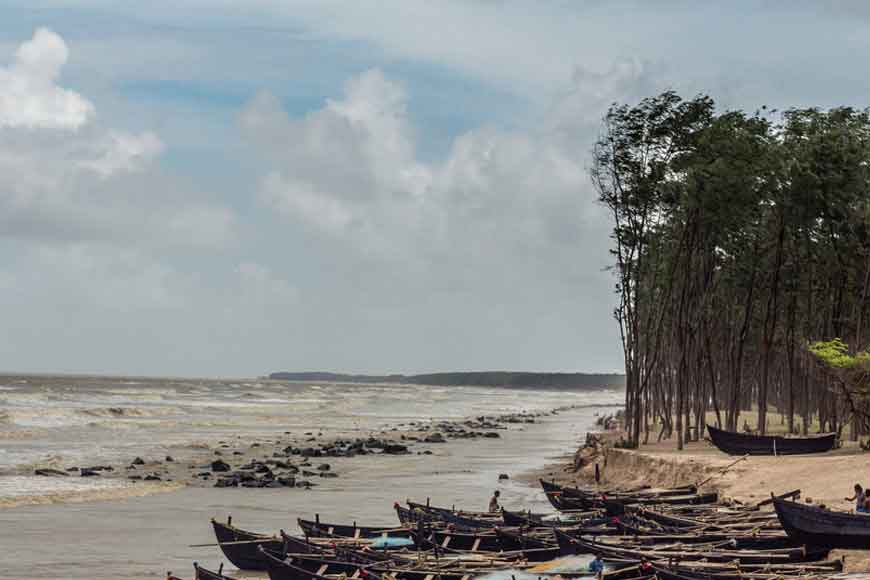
{"points": [[738, 239]]}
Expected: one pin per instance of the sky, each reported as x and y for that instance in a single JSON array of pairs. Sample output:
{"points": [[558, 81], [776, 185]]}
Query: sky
{"points": [[229, 188]]}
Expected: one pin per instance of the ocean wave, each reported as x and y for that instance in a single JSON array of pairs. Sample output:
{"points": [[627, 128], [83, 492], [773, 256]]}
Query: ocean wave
{"points": [[129, 412], [20, 490]]}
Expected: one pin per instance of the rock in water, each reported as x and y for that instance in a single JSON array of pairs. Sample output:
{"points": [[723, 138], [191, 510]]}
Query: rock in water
{"points": [[51, 473], [220, 465], [395, 449]]}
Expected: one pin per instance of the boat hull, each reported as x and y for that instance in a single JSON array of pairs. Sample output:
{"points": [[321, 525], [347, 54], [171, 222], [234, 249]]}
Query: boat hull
{"points": [[746, 444], [815, 526]]}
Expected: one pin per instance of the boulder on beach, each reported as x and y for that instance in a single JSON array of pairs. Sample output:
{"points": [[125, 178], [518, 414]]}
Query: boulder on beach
{"points": [[51, 473], [220, 465], [435, 438], [395, 449]]}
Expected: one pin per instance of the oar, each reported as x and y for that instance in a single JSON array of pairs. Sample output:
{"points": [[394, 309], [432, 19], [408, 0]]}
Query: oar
{"points": [[723, 471], [234, 543]]}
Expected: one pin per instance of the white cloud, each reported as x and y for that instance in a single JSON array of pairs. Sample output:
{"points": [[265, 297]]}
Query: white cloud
{"points": [[55, 186], [350, 170], [29, 96], [124, 152]]}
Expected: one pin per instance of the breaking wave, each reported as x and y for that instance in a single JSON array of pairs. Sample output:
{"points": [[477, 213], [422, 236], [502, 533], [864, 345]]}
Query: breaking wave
{"points": [[16, 491]]}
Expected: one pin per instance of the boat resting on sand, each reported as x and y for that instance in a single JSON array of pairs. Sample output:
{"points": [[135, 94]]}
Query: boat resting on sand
{"points": [[746, 444]]}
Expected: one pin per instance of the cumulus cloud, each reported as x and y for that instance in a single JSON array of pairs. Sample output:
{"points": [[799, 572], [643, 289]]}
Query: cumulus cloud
{"points": [[124, 152], [350, 170], [347, 169], [29, 95], [93, 184]]}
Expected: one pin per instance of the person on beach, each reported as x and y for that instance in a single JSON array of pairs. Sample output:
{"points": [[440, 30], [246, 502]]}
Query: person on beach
{"points": [[859, 498], [596, 566], [493, 503]]}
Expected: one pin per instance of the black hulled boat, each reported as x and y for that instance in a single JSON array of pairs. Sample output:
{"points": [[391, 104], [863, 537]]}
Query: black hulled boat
{"points": [[745, 444], [821, 527], [241, 547]]}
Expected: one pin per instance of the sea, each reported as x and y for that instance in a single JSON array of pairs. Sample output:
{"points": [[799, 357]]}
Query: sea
{"points": [[94, 528]]}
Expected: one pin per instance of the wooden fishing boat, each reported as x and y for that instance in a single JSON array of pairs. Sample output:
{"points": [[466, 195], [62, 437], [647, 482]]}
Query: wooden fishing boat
{"points": [[203, 574], [464, 541], [417, 513], [318, 529], [516, 540], [531, 520], [241, 547], [453, 511], [784, 556], [748, 541], [821, 527], [293, 545], [615, 506], [683, 573], [289, 569], [644, 491], [745, 444], [302, 566]]}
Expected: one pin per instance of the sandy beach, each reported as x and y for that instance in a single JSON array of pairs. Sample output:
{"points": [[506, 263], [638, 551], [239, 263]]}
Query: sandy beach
{"points": [[822, 478]]}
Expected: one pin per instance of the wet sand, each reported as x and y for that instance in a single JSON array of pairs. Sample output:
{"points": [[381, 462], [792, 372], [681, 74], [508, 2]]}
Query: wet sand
{"points": [[147, 536]]}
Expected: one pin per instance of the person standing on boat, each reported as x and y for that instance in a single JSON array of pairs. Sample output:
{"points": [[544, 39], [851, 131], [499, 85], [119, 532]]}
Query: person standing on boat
{"points": [[493, 503], [858, 498]]}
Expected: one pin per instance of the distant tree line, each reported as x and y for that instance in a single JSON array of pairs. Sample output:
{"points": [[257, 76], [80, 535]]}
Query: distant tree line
{"points": [[480, 379], [738, 240]]}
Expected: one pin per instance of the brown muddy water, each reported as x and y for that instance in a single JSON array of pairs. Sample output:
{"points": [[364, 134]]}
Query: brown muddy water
{"points": [[97, 528]]}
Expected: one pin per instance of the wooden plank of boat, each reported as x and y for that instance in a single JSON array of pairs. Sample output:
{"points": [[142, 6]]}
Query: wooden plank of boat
{"points": [[743, 443]]}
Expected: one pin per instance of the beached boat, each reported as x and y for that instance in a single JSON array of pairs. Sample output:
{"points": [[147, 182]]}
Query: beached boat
{"points": [[703, 553], [203, 574], [439, 516], [289, 569], [241, 548], [821, 527], [745, 444], [318, 529]]}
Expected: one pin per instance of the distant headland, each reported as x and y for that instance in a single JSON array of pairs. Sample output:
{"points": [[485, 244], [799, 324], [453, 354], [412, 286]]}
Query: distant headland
{"points": [[477, 379]]}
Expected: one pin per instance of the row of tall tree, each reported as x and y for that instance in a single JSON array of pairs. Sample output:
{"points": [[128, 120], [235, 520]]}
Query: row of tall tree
{"points": [[738, 239]]}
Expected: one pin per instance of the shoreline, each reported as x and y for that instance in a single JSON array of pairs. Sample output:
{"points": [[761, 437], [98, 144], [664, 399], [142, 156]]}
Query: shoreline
{"points": [[463, 474], [282, 460]]}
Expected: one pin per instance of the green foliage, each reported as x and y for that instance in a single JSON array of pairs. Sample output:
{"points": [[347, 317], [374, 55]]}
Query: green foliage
{"points": [[738, 239], [833, 353]]}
